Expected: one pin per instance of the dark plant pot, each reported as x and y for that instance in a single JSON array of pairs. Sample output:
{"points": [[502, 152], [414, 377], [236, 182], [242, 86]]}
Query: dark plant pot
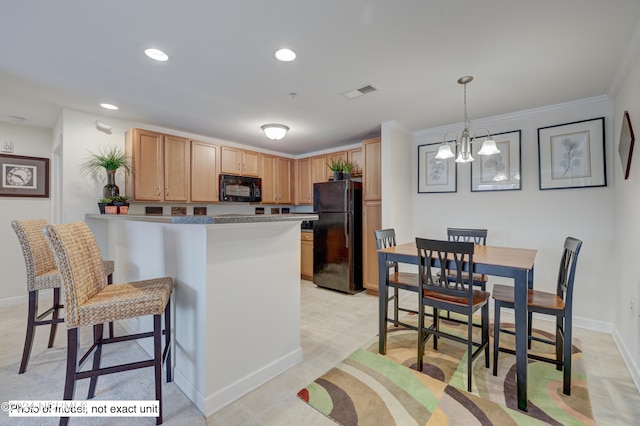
{"points": [[337, 176], [346, 176], [101, 207]]}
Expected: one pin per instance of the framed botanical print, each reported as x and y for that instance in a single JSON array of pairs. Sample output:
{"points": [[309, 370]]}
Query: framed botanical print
{"points": [[435, 175], [498, 172], [572, 155]]}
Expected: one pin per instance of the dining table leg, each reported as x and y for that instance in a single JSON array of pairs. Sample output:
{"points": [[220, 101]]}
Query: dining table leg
{"points": [[521, 319], [382, 303]]}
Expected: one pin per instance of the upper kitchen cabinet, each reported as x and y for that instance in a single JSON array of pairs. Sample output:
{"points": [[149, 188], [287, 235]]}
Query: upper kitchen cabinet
{"points": [[371, 175], [355, 157], [276, 179], [205, 159], [235, 161], [161, 165], [319, 169], [304, 185], [335, 156]]}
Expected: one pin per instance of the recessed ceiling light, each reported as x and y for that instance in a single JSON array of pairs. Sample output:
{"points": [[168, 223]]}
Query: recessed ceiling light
{"points": [[109, 106], [16, 119], [156, 54], [285, 55]]}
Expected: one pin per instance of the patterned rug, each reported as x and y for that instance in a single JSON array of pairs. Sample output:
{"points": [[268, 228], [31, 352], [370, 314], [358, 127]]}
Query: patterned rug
{"points": [[370, 389]]}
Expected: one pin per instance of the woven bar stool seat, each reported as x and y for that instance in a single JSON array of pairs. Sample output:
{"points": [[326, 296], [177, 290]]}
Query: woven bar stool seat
{"points": [[42, 274], [91, 302]]}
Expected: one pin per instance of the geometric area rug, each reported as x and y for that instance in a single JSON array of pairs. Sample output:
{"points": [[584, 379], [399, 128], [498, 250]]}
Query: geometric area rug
{"points": [[369, 389]]}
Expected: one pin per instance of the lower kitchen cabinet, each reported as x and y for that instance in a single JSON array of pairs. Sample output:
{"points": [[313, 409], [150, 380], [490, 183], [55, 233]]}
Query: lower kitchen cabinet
{"points": [[306, 255]]}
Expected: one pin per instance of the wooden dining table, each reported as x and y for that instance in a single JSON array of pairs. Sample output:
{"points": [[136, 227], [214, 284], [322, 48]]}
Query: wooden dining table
{"points": [[509, 262]]}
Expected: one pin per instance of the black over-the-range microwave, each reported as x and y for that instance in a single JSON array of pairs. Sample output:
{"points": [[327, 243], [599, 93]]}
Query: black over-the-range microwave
{"points": [[240, 188]]}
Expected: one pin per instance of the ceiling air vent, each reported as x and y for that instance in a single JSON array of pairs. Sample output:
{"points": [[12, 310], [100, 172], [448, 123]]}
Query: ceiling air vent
{"points": [[352, 94]]}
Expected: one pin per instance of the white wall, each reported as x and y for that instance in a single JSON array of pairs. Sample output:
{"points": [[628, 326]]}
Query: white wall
{"points": [[531, 218], [32, 142], [624, 282]]}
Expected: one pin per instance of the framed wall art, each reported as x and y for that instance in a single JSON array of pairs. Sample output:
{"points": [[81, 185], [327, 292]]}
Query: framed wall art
{"points": [[572, 155], [498, 172], [435, 175], [625, 147], [24, 176]]}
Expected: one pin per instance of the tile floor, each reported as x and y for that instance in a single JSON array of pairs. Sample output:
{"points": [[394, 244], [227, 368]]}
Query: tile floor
{"points": [[334, 325]]}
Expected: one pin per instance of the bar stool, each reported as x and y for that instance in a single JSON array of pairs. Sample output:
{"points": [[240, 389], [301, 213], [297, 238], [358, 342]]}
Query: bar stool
{"points": [[91, 302], [42, 274]]}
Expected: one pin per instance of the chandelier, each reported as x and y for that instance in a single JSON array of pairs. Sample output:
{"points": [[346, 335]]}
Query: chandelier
{"points": [[464, 142]]}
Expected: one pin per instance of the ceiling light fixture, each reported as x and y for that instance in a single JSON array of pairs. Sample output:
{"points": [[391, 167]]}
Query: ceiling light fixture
{"points": [[285, 55], [464, 142], [103, 127], [275, 131], [156, 54], [109, 106]]}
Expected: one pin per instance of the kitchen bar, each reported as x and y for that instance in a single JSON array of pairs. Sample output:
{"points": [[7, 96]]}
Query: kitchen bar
{"points": [[237, 296]]}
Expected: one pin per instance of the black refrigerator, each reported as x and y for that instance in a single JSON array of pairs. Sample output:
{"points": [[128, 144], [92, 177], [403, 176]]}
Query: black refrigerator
{"points": [[337, 235]]}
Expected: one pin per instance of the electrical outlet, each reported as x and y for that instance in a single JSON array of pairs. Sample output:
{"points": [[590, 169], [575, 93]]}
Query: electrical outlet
{"points": [[7, 146]]}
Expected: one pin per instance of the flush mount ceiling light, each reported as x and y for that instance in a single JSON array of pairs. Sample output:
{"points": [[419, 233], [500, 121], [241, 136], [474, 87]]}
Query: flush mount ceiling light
{"points": [[275, 131], [285, 55], [464, 142], [109, 106], [156, 54]]}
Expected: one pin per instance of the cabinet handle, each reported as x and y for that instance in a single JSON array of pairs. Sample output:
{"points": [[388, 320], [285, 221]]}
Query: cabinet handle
{"points": [[157, 190]]}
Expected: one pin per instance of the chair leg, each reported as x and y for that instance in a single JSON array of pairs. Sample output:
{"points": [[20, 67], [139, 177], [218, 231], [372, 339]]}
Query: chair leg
{"points": [[496, 336], [55, 315], [28, 340], [383, 315], [436, 322], [485, 333], [396, 302], [167, 342], [567, 355], [97, 339], [469, 353], [109, 282], [559, 342], [157, 357], [420, 337], [73, 345]]}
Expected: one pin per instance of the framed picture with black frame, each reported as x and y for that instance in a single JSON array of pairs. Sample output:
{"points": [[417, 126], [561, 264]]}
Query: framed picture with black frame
{"points": [[572, 155], [435, 175], [625, 146], [24, 176], [498, 172]]}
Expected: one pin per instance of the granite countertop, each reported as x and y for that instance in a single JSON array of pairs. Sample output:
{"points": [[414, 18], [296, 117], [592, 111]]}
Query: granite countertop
{"points": [[208, 220]]}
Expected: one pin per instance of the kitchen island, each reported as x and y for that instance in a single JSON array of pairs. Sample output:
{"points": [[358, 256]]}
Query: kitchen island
{"points": [[237, 294]]}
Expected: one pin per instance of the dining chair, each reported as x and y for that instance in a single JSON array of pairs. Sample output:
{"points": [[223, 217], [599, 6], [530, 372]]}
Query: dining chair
{"points": [[558, 304], [42, 274], [476, 236], [396, 280], [441, 293], [91, 302]]}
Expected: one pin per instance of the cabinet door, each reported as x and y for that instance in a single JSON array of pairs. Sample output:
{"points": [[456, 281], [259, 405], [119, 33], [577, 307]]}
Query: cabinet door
{"points": [[304, 186], [319, 169], [306, 256], [250, 163], [371, 220], [283, 182], [230, 160], [145, 148], [204, 172], [355, 157], [268, 165], [371, 180], [176, 168]]}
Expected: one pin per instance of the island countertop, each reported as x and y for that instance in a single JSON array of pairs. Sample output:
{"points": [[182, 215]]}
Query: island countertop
{"points": [[208, 220]]}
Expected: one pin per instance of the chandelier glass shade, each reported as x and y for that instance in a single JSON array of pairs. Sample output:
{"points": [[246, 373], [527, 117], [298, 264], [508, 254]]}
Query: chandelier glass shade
{"points": [[275, 131], [464, 142]]}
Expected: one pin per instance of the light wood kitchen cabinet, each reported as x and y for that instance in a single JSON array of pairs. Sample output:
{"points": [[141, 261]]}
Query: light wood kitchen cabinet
{"points": [[161, 165], [355, 157], [306, 255], [319, 169], [335, 156], [371, 221], [304, 186], [371, 174], [276, 179], [239, 162], [205, 160]]}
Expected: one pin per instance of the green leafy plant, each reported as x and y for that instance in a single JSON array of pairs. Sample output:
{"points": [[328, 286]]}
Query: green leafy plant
{"points": [[347, 166], [336, 165], [105, 200], [106, 158], [120, 199]]}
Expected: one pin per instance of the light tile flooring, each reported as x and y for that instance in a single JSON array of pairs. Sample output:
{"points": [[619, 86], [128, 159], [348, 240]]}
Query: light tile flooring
{"points": [[334, 325]]}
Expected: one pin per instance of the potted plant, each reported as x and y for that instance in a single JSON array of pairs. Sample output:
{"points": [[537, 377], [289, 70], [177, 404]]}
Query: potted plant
{"points": [[104, 202], [122, 202], [336, 167], [108, 160], [347, 167]]}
